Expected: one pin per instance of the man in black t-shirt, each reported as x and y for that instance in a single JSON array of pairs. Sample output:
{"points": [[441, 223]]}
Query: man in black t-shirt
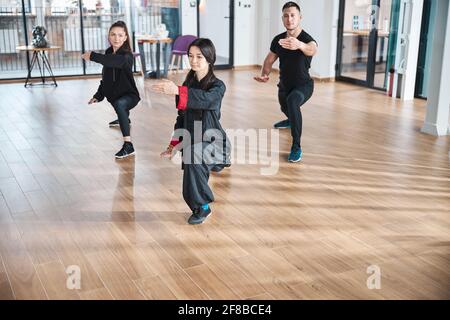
{"points": [[295, 48]]}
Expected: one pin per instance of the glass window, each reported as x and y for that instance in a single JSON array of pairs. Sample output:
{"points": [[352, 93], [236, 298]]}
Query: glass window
{"points": [[61, 18]]}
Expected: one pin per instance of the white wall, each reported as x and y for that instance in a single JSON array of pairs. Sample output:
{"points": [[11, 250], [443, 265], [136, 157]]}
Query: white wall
{"points": [[268, 26], [188, 17], [245, 33], [320, 20]]}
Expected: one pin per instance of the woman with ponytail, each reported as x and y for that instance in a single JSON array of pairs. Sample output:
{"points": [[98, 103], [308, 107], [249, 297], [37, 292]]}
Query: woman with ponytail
{"points": [[117, 84]]}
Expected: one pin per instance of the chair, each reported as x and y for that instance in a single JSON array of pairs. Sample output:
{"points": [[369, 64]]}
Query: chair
{"points": [[179, 50], [136, 56]]}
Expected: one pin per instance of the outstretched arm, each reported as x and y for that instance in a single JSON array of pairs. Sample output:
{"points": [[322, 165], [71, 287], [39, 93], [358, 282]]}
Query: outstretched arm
{"points": [[113, 60], [190, 98], [291, 43], [309, 49], [110, 60], [267, 67]]}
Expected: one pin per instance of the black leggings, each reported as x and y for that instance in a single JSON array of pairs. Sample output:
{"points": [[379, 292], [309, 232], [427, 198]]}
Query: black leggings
{"points": [[290, 102], [196, 191], [122, 106], [196, 171]]}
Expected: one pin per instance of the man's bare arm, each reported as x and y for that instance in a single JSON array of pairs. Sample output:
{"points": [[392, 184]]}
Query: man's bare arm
{"points": [[268, 63], [267, 67], [309, 49]]}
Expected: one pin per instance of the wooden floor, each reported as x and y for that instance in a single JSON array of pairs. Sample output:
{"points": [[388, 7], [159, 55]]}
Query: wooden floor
{"points": [[371, 190]]}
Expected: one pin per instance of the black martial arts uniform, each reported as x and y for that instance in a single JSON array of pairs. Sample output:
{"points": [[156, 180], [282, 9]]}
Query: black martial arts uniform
{"points": [[295, 86], [117, 84], [199, 113]]}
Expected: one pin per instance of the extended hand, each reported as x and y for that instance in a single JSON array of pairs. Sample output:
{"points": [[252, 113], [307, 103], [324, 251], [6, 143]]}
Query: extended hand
{"points": [[166, 87], [86, 56], [93, 100], [168, 153], [290, 43], [263, 78]]}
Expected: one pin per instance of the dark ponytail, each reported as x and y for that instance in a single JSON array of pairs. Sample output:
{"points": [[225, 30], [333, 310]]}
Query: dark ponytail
{"points": [[127, 44]]}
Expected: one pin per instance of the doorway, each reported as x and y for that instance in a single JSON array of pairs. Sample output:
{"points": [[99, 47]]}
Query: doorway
{"points": [[216, 22], [366, 39], [425, 48]]}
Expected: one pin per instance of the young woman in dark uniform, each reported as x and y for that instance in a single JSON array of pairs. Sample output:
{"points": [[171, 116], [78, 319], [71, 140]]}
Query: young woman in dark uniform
{"points": [[117, 83], [199, 102]]}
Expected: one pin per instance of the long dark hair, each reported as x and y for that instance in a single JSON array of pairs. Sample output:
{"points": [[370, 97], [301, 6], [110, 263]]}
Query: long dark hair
{"points": [[209, 52], [127, 44]]}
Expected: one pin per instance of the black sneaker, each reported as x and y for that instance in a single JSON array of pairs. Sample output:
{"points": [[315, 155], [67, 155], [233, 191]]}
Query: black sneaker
{"points": [[116, 123], [220, 167], [284, 124], [199, 216], [127, 150], [217, 168]]}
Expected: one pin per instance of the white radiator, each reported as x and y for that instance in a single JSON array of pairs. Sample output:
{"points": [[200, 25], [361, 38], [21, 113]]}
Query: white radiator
{"points": [[9, 40], [94, 39]]}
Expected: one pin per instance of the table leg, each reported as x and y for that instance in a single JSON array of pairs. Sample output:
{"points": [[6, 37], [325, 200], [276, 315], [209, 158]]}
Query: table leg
{"points": [[33, 61], [152, 61], [46, 63], [166, 58], [142, 56], [41, 67], [158, 58]]}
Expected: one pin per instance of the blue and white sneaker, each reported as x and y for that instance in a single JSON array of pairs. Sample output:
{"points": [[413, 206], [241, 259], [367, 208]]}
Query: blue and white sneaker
{"points": [[295, 155], [284, 124]]}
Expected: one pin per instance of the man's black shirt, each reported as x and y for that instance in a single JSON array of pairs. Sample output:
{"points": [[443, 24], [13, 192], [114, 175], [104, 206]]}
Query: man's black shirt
{"points": [[294, 64]]}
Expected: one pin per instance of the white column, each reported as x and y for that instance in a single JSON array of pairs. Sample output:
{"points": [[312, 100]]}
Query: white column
{"points": [[264, 33], [437, 116], [409, 78]]}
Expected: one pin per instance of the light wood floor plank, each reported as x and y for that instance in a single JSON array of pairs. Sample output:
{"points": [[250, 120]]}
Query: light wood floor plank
{"points": [[21, 271], [155, 289], [6, 292], [54, 278], [210, 283], [114, 276], [179, 283], [96, 294]]}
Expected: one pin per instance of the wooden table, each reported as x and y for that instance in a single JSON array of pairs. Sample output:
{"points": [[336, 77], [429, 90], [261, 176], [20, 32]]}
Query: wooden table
{"points": [[39, 58], [152, 40]]}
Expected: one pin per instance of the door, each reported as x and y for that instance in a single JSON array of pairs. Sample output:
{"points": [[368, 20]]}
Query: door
{"points": [[425, 48], [215, 21], [363, 40]]}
